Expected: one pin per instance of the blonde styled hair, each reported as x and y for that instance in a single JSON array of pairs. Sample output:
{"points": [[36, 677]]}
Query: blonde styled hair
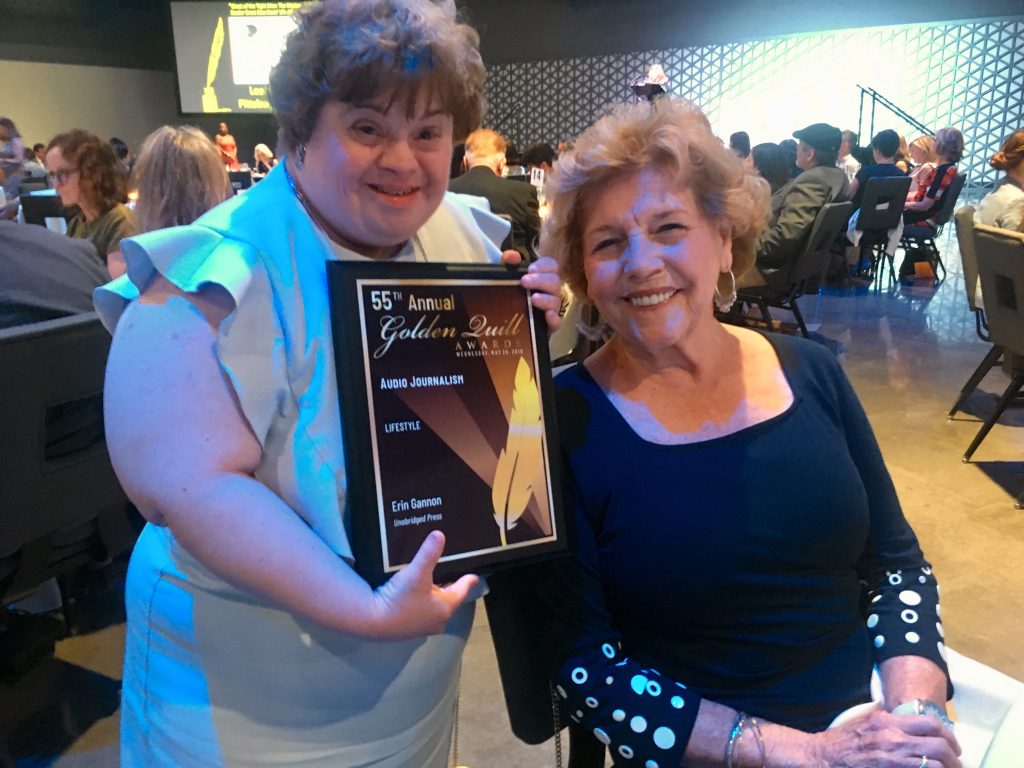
{"points": [[355, 50], [484, 142], [1011, 154], [179, 176], [672, 137], [927, 145]]}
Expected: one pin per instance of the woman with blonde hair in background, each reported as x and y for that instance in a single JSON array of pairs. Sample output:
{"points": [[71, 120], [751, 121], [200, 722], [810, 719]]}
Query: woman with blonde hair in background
{"points": [[262, 160], [1004, 206], [179, 177], [903, 156], [922, 152]]}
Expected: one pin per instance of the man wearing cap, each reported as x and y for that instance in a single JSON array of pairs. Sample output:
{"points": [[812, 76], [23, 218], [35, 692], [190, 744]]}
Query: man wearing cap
{"points": [[795, 205]]}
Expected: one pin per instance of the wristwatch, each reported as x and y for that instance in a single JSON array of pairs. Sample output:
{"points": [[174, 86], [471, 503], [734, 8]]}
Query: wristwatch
{"points": [[924, 707]]}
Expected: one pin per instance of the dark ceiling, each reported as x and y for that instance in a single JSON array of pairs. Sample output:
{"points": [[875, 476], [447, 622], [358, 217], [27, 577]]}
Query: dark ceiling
{"points": [[136, 33]]}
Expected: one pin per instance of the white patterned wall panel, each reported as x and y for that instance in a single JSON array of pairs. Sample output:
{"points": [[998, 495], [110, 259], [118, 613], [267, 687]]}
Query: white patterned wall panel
{"points": [[970, 76]]}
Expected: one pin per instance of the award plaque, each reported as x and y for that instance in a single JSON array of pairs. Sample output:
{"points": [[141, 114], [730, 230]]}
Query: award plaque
{"points": [[446, 405]]}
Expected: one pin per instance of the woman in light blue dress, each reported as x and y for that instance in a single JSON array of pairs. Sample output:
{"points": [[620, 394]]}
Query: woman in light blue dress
{"points": [[251, 641]]}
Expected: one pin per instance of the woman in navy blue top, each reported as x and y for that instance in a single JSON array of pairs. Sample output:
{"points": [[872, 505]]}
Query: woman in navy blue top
{"points": [[742, 560]]}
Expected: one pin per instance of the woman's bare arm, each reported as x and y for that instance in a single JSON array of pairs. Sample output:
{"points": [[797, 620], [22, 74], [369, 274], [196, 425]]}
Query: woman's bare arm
{"points": [[185, 455]]}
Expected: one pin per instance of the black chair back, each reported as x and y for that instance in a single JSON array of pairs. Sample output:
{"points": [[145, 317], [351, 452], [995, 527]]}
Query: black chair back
{"points": [[881, 207], [61, 505], [36, 209], [963, 220], [28, 186], [240, 180], [945, 212], [812, 261], [1001, 269]]}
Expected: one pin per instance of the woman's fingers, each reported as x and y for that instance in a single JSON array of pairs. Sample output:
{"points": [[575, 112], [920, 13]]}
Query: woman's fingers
{"points": [[542, 280], [923, 725], [883, 740], [421, 569], [410, 604], [459, 591]]}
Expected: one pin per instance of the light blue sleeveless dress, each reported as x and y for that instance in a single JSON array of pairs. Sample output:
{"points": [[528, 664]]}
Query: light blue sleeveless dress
{"points": [[213, 676]]}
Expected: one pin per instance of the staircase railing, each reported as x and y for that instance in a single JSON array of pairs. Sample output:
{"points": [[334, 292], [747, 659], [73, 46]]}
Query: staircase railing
{"points": [[876, 99]]}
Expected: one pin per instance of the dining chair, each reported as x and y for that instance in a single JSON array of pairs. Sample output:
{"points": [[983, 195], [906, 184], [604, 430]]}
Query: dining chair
{"points": [[964, 221], [1001, 268]]}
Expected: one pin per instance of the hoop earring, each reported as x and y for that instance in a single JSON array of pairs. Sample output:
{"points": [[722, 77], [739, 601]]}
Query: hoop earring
{"points": [[724, 303]]}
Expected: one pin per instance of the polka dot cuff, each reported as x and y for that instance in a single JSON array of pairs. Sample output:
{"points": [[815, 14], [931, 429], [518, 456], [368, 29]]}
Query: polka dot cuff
{"points": [[904, 616], [642, 717]]}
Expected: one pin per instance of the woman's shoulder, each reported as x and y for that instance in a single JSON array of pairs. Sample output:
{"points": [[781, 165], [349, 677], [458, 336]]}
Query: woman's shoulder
{"points": [[804, 361], [190, 258]]}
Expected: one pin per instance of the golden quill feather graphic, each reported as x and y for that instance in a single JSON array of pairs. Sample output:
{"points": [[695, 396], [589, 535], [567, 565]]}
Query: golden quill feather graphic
{"points": [[216, 48], [521, 457]]}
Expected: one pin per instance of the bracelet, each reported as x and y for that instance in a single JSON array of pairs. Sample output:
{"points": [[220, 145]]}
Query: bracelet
{"points": [[735, 738], [756, 728]]}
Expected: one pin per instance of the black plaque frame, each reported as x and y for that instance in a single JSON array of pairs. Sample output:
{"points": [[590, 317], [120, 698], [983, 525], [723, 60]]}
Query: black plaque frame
{"points": [[367, 519]]}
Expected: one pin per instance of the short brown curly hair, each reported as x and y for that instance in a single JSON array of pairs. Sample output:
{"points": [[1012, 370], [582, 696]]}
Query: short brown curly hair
{"points": [[672, 136], [353, 50], [101, 180]]}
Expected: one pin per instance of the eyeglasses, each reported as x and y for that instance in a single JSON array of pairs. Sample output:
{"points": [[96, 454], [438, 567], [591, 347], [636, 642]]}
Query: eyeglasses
{"points": [[62, 176]]}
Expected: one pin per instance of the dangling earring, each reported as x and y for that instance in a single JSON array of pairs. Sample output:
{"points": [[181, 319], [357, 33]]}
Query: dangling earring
{"points": [[724, 303], [300, 155]]}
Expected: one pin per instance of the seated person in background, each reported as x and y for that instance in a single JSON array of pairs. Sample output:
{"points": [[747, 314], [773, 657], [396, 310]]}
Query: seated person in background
{"points": [[795, 206], [922, 153], [485, 159], [540, 155], [39, 150], [725, 602], [1004, 206], [788, 149], [262, 159], [903, 161], [180, 176], [44, 275], [847, 162], [32, 168], [124, 154], [514, 168], [11, 156], [739, 143], [884, 146], [86, 173], [923, 203], [771, 163]]}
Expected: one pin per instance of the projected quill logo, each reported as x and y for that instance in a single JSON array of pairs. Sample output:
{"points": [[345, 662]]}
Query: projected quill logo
{"points": [[210, 103]]}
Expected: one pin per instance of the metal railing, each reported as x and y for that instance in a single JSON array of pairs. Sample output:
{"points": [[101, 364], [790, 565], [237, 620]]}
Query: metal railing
{"points": [[876, 99]]}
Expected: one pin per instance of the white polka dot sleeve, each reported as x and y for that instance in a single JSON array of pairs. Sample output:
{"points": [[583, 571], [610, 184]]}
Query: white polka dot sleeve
{"points": [[904, 616], [641, 716]]}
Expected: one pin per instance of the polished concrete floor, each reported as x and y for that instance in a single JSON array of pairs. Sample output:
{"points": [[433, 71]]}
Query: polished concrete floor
{"points": [[907, 350]]}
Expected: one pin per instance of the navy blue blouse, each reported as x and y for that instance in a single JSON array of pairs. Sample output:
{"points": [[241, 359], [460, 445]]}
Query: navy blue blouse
{"points": [[766, 570]]}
